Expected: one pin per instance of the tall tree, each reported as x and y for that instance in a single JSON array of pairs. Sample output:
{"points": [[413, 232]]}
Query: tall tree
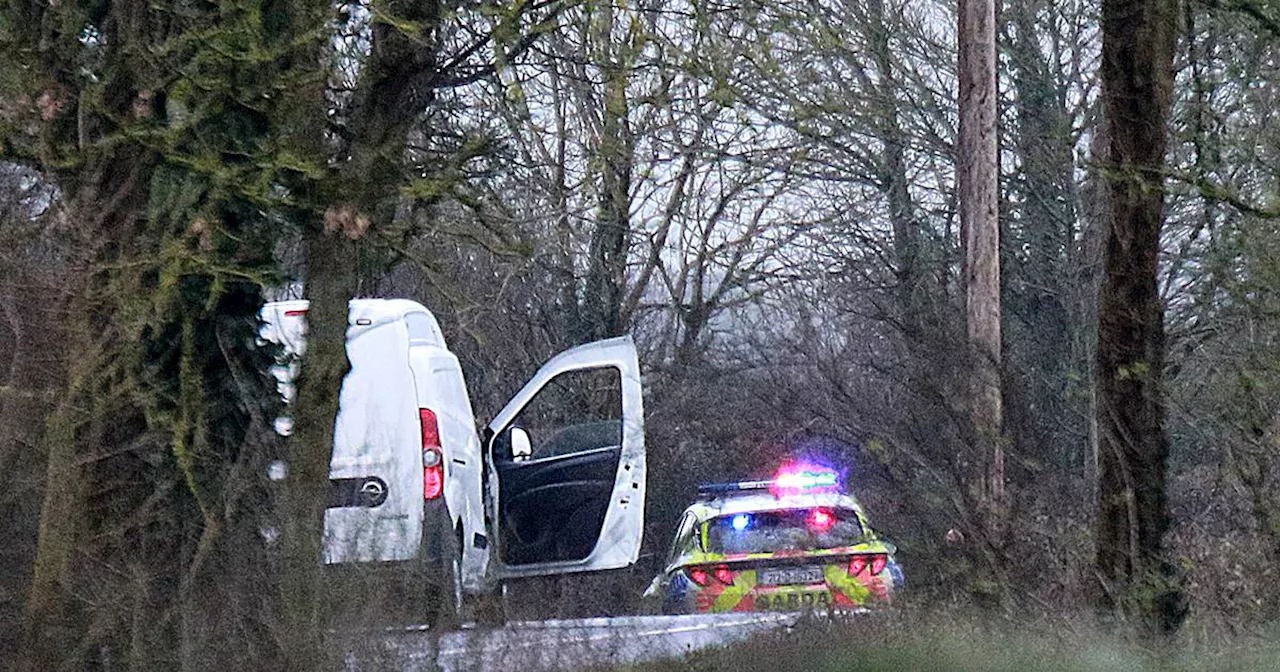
{"points": [[387, 147], [615, 145], [102, 186], [1139, 37], [977, 188]]}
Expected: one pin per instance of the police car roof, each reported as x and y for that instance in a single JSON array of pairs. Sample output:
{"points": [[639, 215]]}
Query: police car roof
{"points": [[763, 500]]}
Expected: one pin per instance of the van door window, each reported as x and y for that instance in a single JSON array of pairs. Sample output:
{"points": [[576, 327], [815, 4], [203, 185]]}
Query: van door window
{"points": [[555, 488], [575, 412]]}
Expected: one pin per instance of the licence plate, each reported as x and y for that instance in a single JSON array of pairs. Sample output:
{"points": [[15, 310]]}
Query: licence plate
{"points": [[785, 576]]}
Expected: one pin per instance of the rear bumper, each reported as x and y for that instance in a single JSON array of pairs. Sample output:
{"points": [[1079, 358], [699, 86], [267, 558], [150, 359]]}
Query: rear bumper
{"points": [[779, 599]]}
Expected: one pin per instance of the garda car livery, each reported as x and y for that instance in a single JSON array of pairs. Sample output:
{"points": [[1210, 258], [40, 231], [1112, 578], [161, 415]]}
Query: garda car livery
{"points": [[795, 542]]}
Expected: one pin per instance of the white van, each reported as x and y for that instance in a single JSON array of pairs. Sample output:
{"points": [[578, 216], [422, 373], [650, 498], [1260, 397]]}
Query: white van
{"points": [[556, 486]]}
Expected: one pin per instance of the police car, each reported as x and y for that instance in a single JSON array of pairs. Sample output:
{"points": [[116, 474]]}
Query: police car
{"points": [[795, 542]]}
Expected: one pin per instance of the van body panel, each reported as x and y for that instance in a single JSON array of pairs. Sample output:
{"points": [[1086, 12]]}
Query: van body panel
{"points": [[377, 434], [443, 389]]}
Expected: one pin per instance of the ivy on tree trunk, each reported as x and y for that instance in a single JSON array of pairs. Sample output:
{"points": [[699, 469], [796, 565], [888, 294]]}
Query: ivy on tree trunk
{"points": [[1136, 579]]}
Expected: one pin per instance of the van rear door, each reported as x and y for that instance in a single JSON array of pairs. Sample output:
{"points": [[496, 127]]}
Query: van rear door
{"points": [[375, 474], [567, 465]]}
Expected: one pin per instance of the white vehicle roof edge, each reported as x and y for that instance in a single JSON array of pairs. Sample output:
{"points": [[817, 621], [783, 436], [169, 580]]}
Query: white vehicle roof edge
{"points": [[766, 502], [396, 307]]}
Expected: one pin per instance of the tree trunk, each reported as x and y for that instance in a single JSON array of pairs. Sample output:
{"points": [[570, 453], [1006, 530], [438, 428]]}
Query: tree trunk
{"points": [[1135, 577], [58, 513], [35, 341], [105, 199], [894, 181], [606, 271], [978, 186], [323, 369], [395, 86]]}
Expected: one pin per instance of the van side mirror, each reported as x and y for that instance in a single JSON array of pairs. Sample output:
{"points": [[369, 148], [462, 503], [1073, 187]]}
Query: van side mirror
{"points": [[521, 444], [512, 443]]}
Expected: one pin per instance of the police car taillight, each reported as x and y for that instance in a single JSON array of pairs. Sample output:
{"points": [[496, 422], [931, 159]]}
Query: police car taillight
{"points": [[432, 456], [702, 575], [860, 563]]}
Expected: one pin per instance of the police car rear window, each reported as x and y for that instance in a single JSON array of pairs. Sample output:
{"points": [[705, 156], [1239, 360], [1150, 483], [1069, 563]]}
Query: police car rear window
{"points": [[786, 530]]}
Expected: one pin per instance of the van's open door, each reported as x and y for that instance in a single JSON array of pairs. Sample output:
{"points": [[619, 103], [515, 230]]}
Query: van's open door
{"points": [[567, 466]]}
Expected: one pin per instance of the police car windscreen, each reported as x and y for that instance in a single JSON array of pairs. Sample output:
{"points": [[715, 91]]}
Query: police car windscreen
{"points": [[786, 530]]}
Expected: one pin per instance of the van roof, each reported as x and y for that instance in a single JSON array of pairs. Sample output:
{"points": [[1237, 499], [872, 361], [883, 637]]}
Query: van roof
{"points": [[361, 307], [284, 328]]}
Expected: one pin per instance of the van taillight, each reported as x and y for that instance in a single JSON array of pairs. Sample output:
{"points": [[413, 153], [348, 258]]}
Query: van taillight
{"points": [[432, 482], [430, 429], [432, 455]]}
